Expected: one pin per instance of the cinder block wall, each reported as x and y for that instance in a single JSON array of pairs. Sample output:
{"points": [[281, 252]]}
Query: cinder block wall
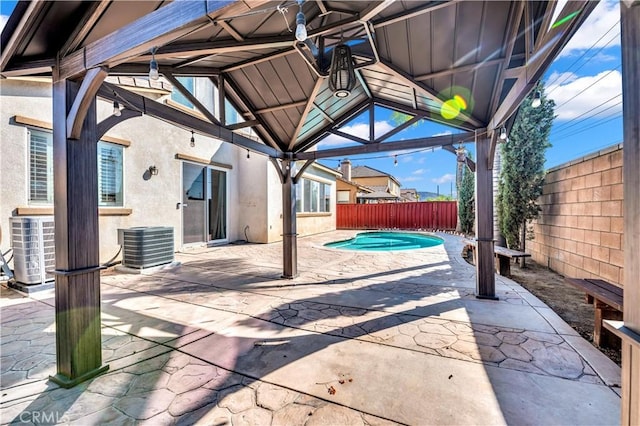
{"points": [[579, 231]]}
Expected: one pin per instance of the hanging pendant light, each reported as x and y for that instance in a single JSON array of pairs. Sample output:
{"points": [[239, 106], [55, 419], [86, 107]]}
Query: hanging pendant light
{"points": [[301, 24], [503, 133], [154, 73], [342, 77], [192, 142], [537, 99], [116, 109]]}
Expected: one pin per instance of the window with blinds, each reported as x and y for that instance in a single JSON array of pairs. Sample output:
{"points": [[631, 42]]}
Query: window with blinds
{"points": [[40, 167], [110, 175], [110, 171]]}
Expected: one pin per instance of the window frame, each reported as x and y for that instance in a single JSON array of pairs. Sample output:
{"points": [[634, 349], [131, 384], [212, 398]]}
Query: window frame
{"points": [[116, 204], [49, 161], [322, 196]]}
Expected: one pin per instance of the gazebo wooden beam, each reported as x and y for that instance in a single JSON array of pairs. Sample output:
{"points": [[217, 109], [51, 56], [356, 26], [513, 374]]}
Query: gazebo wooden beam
{"points": [[181, 119], [387, 146], [152, 30], [552, 43]]}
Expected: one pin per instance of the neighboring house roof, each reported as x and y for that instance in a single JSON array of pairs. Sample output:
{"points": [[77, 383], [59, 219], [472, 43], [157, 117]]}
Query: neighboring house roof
{"points": [[378, 195], [409, 194], [366, 171], [324, 168], [379, 188], [354, 184]]}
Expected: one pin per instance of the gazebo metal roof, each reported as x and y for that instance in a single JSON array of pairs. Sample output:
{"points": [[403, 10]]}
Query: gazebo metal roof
{"points": [[410, 56]]}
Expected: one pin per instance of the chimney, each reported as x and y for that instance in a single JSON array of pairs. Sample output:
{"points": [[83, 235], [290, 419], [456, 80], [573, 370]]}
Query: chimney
{"points": [[345, 168]]}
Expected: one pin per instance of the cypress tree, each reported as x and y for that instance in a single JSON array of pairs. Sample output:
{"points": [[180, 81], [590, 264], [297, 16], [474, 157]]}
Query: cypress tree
{"points": [[522, 176], [466, 200]]}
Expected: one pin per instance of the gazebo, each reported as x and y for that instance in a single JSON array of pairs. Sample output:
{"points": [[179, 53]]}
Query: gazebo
{"points": [[297, 72]]}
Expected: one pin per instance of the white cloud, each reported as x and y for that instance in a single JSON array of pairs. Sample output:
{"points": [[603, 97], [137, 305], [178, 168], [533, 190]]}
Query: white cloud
{"points": [[557, 78], [603, 17], [360, 130], [411, 179], [445, 133], [3, 21], [590, 93], [448, 177], [419, 172]]}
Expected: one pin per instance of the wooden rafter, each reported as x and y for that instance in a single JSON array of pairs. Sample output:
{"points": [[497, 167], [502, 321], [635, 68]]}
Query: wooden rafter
{"points": [[398, 129], [429, 115], [339, 121], [515, 18], [375, 9], [553, 41], [409, 81], [187, 94], [308, 107], [255, 61], [243, 102], [454, 70], [408, 14], [232, 31], [293, 104], [155, 29], [224, 46], [28, 18], [349, 137], [88, 21], [181, 119]]}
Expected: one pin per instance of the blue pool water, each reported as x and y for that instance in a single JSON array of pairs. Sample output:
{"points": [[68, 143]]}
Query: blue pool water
{"points": [[386, 241]]}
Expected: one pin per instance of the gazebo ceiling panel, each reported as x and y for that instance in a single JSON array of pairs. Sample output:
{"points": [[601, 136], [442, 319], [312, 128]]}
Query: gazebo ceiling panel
{"points": [[328, 106], [425, 48], [112, 17], [41, 43]]}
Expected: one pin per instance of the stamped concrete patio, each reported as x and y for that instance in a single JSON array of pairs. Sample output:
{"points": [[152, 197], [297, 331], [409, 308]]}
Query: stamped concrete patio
{"points": [[357, 338]]}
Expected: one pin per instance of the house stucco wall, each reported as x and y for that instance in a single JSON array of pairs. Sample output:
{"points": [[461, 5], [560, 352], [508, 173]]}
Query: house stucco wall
{"points": [[307, 223], [152, 201], [579, 231], [254, 192]]}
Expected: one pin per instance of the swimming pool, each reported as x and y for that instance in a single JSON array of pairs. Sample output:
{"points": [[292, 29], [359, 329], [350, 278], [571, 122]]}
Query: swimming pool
{"points": [[386, 241]]}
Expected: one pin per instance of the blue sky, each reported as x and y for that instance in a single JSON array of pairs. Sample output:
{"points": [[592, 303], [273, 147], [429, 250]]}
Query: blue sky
{"points": [[584, 81]]}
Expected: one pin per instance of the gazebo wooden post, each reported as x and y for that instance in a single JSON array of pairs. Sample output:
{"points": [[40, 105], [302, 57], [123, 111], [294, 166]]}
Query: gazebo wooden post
{"points": [[77, 286], [289, 229], [629, 330], [485, 276]]}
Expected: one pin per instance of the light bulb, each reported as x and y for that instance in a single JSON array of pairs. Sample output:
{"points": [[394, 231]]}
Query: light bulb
{"points": [[153, 70], [537, 99], [301, 27], [116, 109], [503, 134]]}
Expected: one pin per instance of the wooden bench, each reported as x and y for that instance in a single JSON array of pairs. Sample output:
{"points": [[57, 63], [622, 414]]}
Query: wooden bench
{"points": [[607, 299], [503, 256]]}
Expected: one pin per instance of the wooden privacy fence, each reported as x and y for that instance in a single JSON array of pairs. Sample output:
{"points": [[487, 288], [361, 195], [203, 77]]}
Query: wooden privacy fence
{"points": [[419, 215]]}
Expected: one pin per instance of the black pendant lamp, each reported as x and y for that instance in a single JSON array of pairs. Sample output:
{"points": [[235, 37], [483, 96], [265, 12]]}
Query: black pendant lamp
{"points": [[342, 77]]}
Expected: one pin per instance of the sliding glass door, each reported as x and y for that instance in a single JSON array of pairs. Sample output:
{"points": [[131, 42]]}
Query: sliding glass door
{"points": [[204, 204]]}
